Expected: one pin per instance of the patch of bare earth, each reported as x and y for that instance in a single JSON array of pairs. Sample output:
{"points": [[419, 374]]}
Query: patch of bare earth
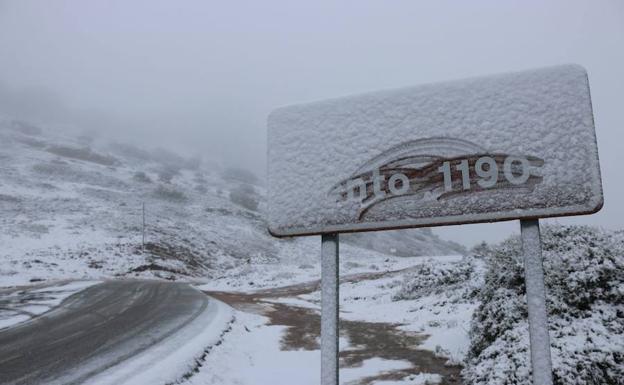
{"points": [[367, 339]]}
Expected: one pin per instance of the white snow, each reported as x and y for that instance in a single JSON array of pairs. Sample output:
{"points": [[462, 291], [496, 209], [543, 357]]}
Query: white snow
{"points": [[21, 305], [444, 321], [10, 318], [251, 355], [301, 263], [418, 379], [254, 357], [371, 367]]}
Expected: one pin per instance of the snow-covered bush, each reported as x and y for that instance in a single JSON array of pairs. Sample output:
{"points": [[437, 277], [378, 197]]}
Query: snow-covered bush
{"points": [[429, 277], [584, 270], [170, 193], [167, 172]]}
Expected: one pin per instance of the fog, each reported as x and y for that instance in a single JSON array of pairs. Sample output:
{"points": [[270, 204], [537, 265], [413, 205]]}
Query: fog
{"points": [[201, 76]]}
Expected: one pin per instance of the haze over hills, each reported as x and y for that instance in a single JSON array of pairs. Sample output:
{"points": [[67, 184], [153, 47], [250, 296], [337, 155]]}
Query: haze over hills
{"points": [[72, 207]]}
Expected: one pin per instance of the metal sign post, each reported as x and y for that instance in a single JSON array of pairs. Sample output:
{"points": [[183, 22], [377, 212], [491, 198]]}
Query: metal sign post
{"points": [[536, 301], [329, 309], [504, 147]]}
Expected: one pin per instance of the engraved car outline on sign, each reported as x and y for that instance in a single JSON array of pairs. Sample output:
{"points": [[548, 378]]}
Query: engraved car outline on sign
{"points": [[421, 174]]}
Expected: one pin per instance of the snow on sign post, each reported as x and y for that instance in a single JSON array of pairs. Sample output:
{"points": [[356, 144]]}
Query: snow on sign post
{"points": [[513, 146]]}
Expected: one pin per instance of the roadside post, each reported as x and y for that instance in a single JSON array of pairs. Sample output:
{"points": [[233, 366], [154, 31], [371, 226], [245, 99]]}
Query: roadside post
{"points": [[536, 302], [497, 148], [329, 306]]}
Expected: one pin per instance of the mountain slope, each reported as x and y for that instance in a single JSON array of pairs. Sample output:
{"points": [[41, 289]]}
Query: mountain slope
{"points": [[72, 207]]}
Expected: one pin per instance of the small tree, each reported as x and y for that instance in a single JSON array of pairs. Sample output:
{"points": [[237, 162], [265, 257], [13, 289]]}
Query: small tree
{"points": [[170, 193]]}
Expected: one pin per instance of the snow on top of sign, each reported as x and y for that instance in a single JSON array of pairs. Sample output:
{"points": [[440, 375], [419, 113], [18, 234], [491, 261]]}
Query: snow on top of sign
{"points": [[545, 114]]}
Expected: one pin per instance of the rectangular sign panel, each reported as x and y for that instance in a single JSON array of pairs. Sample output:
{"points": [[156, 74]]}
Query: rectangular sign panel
{"points": [[495, 148]]}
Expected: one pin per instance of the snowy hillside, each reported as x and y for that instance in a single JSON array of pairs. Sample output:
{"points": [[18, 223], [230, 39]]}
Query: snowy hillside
{"points": [[72, 207], [405, 243]]}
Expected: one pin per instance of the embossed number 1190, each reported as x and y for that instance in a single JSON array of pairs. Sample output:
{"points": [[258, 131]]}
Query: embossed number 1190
{"points": [[515, 169]]}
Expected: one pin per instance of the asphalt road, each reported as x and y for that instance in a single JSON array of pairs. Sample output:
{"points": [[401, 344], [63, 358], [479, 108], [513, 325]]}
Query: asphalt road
{"points": [[95, 329]]}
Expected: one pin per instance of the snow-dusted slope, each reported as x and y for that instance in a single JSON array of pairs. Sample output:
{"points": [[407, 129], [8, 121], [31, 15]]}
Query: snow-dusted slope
{"points": [[72, 207], [405, 243]]}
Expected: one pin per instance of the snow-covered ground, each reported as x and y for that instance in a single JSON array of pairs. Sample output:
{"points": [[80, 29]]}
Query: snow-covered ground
{"points": [[441, 315], [298, 269], [255, 351], [20, 305], [251, 354]]}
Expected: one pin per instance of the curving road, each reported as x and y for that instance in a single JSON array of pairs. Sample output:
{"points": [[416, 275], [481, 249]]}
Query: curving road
{"points": [[95, 329]]}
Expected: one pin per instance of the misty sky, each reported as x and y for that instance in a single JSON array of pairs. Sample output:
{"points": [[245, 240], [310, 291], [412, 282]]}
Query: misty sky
{"points": [[203, 75]]}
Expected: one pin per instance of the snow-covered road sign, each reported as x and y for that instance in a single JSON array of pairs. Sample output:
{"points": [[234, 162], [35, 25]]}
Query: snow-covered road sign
{"points": [[503, 147]]}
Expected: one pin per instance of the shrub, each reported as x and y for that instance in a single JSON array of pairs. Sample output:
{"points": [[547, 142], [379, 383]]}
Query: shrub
{"points": [[170, 193], [584, 269], [428, 278], [167, 172]]}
